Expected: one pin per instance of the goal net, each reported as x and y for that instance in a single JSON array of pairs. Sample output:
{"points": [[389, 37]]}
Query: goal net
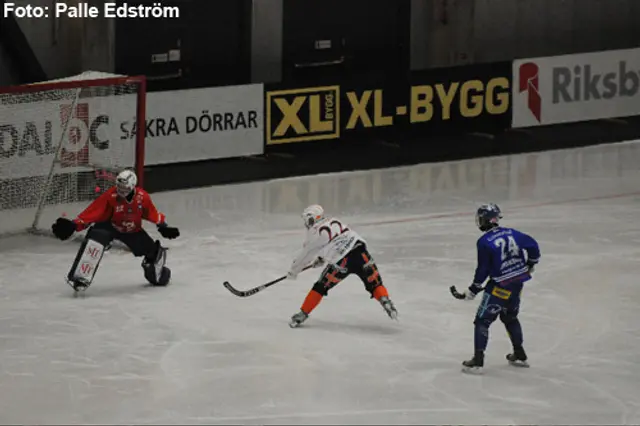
{"points": [[62, 143]]}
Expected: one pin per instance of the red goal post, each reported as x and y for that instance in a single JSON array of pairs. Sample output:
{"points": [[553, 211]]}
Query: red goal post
{"points": [[62, 143]]}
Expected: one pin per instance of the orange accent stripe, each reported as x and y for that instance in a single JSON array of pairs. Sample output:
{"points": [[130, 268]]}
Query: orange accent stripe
{"points": [[331, 278], [380, 291], [311, 301]]}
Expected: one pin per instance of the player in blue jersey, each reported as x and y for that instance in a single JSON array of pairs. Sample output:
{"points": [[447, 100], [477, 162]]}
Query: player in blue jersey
{"points": [[507, 258]]}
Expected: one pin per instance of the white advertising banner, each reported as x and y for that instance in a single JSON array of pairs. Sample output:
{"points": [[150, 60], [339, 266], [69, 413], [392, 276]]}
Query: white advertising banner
{"points": [[32, 127], [204, 124], [181, 126], [572, 88]]}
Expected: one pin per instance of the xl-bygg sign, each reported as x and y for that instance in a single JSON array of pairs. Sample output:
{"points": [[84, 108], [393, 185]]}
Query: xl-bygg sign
{"points": [[453, 98], [459, 99], [428, 103], [571, 88]]}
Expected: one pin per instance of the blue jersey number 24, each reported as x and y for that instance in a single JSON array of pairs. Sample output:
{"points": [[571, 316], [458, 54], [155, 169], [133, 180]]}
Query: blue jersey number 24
{"points": [[508, 248]]}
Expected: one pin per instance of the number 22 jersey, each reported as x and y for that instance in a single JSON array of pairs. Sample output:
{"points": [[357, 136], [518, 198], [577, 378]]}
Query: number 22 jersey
{"points": [[330, 239]]}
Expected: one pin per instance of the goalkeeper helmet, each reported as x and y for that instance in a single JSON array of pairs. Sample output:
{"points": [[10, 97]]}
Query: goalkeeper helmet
{"points": [[488, 216], [312, 215], [126, 182]]}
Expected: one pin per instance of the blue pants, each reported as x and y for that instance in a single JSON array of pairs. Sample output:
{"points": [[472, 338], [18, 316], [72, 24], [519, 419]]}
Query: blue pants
{"points": [[503, 302]]}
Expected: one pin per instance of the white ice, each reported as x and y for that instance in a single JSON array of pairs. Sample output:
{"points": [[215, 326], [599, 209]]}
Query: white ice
{"points": [[193, 353]]}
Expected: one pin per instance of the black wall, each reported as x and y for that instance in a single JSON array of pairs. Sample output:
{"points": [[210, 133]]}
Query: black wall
{"points": [[368, 38], [213, 36], [19, 52]]}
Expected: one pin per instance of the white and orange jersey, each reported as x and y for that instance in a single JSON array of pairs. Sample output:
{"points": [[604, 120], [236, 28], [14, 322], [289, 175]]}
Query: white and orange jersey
{"points": [[330, 239]]}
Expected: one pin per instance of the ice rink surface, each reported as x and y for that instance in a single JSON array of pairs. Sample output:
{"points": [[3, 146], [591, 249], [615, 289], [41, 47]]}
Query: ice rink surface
{"points": [[193, 353]]}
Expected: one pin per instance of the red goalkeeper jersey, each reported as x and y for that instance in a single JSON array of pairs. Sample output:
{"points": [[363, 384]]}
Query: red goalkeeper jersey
{"points": [[124, 216]]}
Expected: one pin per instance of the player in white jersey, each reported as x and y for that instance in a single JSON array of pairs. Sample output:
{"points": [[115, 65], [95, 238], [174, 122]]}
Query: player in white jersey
{"points": [[331, 241]]}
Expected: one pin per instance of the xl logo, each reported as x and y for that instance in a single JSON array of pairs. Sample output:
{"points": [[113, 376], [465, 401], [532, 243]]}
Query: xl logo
{"points": [[530, 83], [303, 114]]}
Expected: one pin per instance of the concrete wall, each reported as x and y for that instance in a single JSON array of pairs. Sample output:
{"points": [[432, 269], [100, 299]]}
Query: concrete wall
{"points": [[443, 33], [453, 32], [266, 41], [7, 76], [65, 46], [97, 43], [55, 42], [456, 32]]}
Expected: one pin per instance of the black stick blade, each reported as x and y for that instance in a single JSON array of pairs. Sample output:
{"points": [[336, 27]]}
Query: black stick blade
{"points": [[455, 293], [229, 287], [240, 293]]}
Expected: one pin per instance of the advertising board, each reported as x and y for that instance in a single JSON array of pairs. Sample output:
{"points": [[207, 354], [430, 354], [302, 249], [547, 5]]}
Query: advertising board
{"points": [[181, 126], [472, 98], [573, 88]]}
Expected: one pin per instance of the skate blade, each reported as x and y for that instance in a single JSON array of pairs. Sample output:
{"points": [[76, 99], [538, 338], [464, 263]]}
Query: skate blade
{"points": [[475, 371], [77, 287], [294, 324], [520, 364], [392, 314]]}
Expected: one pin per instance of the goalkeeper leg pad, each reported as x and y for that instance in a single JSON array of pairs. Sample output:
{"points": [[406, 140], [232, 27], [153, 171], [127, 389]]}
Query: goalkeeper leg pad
{"points": [[153, 265], [88, 258]]}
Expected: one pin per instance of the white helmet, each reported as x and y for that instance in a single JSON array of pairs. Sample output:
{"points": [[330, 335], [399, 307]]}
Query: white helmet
{"points": [[312, 215], [126, 182]]}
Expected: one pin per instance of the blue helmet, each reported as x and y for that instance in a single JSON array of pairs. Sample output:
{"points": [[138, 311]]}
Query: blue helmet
{"points": [[488, 216]]}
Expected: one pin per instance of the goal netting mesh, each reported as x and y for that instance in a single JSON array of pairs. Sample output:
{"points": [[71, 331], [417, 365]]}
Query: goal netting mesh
{"points": [[61, 145]]}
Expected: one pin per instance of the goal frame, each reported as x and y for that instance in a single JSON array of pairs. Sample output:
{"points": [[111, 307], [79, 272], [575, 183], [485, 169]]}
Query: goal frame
{"points": [[141, 105], [69, 84]]}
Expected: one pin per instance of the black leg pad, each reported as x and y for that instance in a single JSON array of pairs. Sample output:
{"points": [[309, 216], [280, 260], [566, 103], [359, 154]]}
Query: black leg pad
{"points": [[154, 270], [165, 277]]}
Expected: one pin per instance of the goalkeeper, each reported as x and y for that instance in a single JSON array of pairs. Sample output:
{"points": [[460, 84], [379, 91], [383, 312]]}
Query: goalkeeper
{"points": [[117, 214]]}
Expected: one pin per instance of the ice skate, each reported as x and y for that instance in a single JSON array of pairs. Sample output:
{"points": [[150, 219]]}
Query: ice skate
{"points": [[79, 288], [78, 285], [518, 358], [298, 319], [475, 365], [389, 308]]}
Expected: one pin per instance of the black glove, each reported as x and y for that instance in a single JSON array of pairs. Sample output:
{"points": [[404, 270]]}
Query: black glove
{"points": [[531, 266], [167, 231], [63, 228]]}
